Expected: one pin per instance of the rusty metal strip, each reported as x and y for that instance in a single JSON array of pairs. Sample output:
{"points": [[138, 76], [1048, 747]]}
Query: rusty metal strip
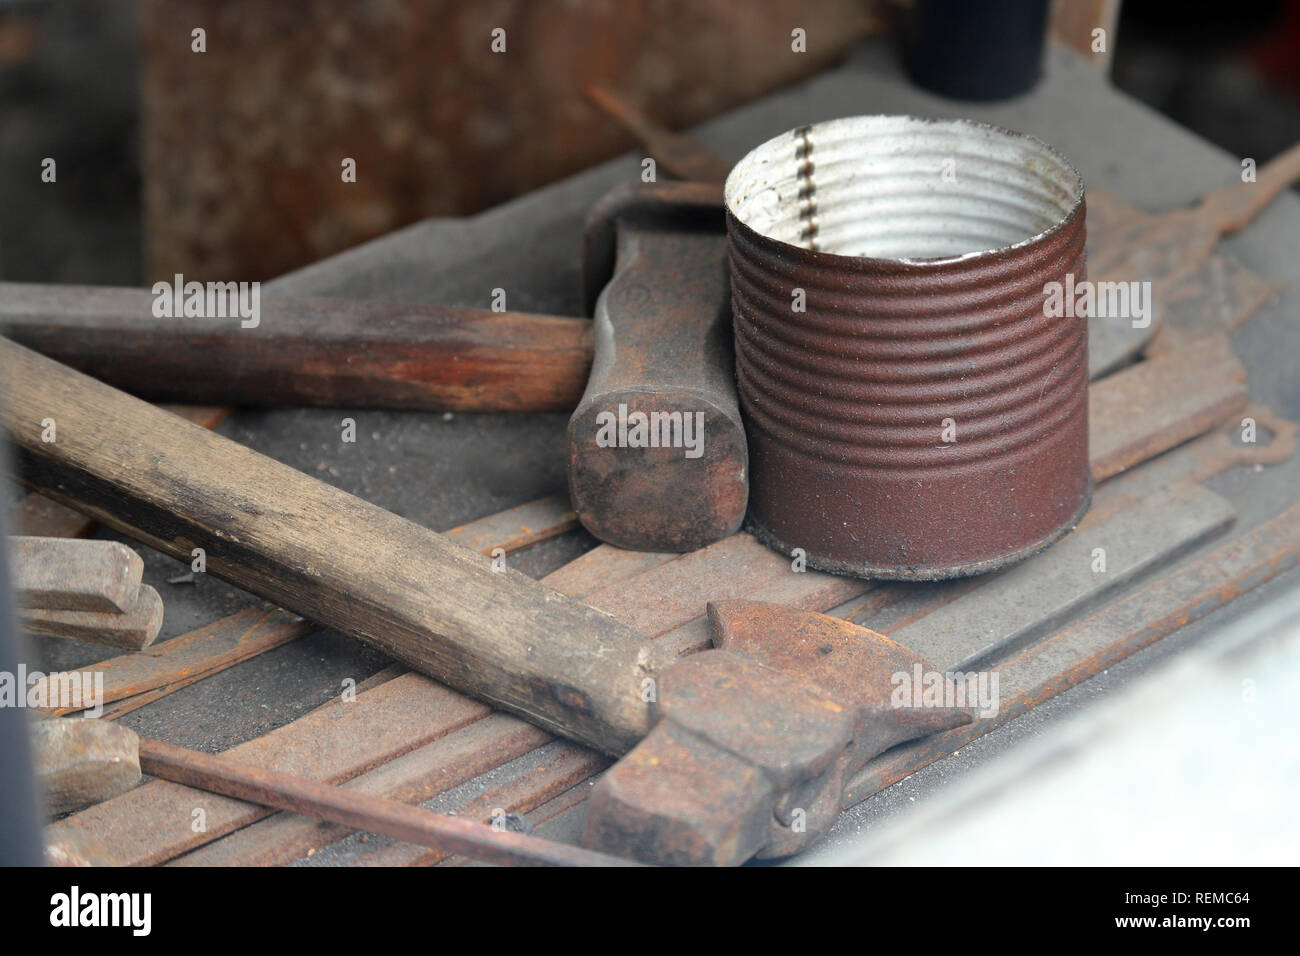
{"points": [[678, 155], [811, 590], [1038, 672], [412, 778], [517, 528], [567, 765], [1189, 391], [603, 566], [441, 832], [808, 590], [1215, 299], [672, 593], [1042, 671], [204, 651], [995, 618], [539, 816], [147, 825]]}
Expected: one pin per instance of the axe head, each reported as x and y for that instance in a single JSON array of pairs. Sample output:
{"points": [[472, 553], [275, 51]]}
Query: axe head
{"points": [[757, 739]]}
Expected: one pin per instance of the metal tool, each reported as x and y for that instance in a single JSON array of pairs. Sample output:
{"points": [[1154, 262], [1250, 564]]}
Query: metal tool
{"points": [[62, 574], [756, 739], [84, 590], [657, 453], [80, 762]]}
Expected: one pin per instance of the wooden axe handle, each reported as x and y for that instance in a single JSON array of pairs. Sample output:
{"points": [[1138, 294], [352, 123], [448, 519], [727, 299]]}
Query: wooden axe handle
{"points": [[324, 554]]}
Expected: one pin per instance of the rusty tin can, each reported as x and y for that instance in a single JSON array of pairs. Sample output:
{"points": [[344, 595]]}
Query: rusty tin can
{"points": [[912, 411]]}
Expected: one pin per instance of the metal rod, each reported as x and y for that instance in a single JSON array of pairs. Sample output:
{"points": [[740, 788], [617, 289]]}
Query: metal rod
{"points": [[361, 811], [679, 155]]}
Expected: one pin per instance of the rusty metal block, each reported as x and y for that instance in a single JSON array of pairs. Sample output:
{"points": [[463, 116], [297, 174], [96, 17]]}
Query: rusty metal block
{"points": [[788, 727], [681, 801], [855, 666]]}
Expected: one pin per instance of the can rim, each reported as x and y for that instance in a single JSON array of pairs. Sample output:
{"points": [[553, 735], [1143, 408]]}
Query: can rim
{"points": [[1076, 189]]}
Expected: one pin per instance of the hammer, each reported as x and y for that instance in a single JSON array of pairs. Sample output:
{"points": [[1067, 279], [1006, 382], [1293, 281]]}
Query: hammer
{"points": [[764, 746], [657, 453]]}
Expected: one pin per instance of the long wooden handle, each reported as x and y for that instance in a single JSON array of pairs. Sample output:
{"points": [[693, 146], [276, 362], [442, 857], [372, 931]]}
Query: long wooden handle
{"points": [[307, 351], [324, 554]]}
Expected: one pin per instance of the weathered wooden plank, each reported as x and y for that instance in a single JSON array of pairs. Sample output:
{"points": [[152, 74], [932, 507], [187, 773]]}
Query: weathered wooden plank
{"points": [[61, 574], [325, 554]]}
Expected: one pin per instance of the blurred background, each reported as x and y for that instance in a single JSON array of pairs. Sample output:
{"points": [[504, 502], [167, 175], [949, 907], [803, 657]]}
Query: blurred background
{"points": [[226, 164]]}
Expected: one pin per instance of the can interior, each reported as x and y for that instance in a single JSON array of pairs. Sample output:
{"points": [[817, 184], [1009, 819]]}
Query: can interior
{"points": [[899, 187]]}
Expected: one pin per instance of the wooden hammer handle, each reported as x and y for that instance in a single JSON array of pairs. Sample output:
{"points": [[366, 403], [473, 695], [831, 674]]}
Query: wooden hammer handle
{"points": [[335, 352], [324, 554]]}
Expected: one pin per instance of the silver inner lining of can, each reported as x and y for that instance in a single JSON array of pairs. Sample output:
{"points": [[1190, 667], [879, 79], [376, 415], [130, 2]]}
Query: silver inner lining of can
{"points": [[898, 187]]}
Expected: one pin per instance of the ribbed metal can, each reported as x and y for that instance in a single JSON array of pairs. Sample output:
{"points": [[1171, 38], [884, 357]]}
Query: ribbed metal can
{"points": [[912, 411]]}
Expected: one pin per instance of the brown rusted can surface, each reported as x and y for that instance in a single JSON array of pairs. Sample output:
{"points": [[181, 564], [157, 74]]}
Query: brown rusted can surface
{"points": [[912, 410]]}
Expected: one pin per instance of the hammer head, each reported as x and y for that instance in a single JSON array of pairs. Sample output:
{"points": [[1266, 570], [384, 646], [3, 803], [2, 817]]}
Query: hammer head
{"points": [[657, 454], [757, 739]]}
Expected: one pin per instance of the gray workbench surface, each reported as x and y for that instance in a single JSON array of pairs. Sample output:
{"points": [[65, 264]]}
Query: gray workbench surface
{"points": [[442, 470]]}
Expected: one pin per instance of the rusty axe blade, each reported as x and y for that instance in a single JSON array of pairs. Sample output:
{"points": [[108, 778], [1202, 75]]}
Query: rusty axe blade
{"points": [[756, 739]]}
